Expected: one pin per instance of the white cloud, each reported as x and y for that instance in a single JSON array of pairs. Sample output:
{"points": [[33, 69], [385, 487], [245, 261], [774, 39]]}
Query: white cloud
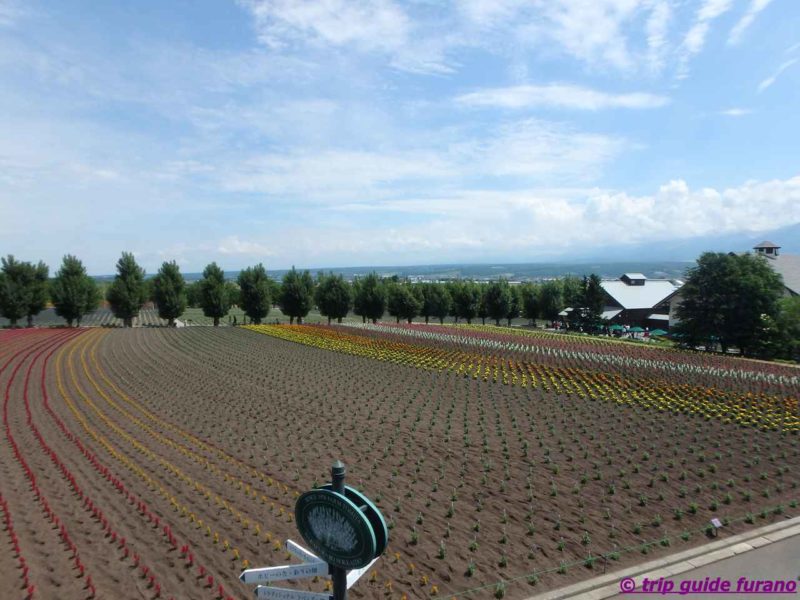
{"points": [[487, 13], [547, 222], [657, 27], [695, 38], [592, 31], [234, 245], [420, 37], [522, 150], [540, 150], [329, 174], [559, 95], [369, 26], [774, 77], [628, 36], [756, 6], [736, 112]]}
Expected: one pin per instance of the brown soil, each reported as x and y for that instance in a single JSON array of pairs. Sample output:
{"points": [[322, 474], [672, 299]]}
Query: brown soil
{"points": [[155, 428]]}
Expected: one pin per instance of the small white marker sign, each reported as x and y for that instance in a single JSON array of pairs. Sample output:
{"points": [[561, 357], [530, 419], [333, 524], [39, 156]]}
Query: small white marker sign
{"points": [[284, 572], [355, 574], [301, 553], [273, 593]]}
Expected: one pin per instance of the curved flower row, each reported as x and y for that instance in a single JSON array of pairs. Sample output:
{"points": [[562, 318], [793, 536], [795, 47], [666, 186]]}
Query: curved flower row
{"points": [[184, 510], [766, 411], [611, 353]]}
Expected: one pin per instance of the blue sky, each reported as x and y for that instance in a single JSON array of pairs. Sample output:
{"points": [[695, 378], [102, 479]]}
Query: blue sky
{"points": [[357, 132]]}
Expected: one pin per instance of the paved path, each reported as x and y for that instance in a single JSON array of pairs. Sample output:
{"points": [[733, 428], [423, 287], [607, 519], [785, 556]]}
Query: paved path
{"points": [[769, 553], [779, 560]]}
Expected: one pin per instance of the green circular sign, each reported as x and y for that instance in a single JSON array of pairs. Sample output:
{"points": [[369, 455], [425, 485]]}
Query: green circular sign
{"points": [[373, 514], [337, 531]]}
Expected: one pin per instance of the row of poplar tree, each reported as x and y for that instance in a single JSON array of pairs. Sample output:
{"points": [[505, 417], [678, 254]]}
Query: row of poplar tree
{"points": [[25, 290]]}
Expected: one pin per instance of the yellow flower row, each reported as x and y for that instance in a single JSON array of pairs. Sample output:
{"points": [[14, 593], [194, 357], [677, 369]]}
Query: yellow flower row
{"points": [[758, 410]]}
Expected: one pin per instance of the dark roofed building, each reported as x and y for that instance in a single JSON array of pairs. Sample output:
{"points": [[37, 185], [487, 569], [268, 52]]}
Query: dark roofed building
{"points": [[767, 248], [786, 265]]}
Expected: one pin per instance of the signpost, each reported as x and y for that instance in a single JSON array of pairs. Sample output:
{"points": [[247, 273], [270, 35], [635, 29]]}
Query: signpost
{"points": [[272, 593], [356, 574], [335, 529], [310, 569], [300, 552], [346, 532]]}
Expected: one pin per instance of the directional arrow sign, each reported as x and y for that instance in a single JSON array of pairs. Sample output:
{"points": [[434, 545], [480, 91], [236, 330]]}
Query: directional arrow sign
{"points": [[355, 574], [273, 593], [284, 572], [301, 553]]}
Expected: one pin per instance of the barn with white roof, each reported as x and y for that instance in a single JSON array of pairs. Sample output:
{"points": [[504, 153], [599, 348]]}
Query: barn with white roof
{"points": [[633, 299]]}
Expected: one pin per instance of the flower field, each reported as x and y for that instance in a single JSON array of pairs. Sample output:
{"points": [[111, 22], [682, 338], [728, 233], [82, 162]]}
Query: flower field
{"points": [[158, 463]]}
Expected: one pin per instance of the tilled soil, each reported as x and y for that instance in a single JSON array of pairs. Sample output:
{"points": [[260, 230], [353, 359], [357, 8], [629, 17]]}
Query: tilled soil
{"points": [[171, 457]]}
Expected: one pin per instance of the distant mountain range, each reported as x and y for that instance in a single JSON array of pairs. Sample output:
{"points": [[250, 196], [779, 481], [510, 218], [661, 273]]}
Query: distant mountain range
{"points": [[665, 259], [689, 249]]}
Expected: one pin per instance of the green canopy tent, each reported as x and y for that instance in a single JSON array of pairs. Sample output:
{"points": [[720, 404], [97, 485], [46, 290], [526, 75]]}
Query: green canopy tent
{"points": [[636, 329], [658, 332], [616, 327]]}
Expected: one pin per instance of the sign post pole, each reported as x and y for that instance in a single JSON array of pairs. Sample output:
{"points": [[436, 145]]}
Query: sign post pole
{"points": [[338, 575], [346, 532]]}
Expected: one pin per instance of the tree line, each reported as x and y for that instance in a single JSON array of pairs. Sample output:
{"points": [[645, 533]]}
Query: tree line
{"points": [[25, 290], [728, 300]]}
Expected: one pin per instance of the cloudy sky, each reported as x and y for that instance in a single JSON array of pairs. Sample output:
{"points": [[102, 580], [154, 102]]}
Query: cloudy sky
{"points": [[359, 132]]}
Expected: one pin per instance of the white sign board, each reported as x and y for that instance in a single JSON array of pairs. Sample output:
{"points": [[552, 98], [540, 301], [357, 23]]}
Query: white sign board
{"points": [[285, 572], [355, 574], [301, 553], [273, 593]]}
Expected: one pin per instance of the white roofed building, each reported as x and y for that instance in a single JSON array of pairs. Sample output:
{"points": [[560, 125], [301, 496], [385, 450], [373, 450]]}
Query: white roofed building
{"points": [[633, 299]]}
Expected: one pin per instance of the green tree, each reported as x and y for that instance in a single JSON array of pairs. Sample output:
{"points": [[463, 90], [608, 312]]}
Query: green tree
{"points": [[531, 305], [254, 292], [193, 294], [466, 300], [593, 300], [358, 299], [402, 302], [571, 291], [150, 290], [274, 291], [515, 307], [729, 298], [169, 292], [214, 293], [127, 293], [498, 300], [788, 327], [73, 292], [333, 297], [435, 301], [297, 295], [483, 306], [369, 297], [36, 278], [234, 293], [551, 300], [15, 289]]}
